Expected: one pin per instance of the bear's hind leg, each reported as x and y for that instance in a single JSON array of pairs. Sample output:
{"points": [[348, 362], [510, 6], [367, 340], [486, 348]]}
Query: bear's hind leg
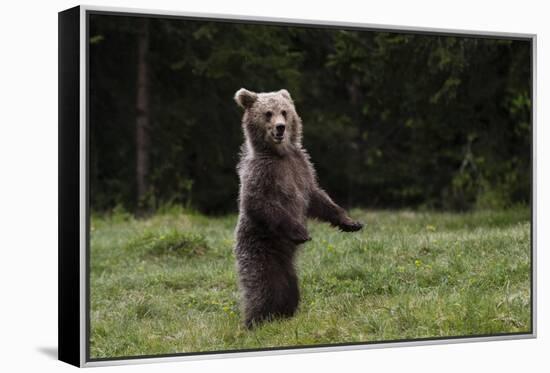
{"points": [[290, 294], [275, 294]]}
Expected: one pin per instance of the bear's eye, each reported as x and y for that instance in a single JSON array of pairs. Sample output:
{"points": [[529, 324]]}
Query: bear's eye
{"points": [[268, 114], [284, 113]]}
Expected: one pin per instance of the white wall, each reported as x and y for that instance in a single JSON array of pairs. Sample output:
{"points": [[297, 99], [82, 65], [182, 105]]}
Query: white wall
{"points": [[28, 183]]}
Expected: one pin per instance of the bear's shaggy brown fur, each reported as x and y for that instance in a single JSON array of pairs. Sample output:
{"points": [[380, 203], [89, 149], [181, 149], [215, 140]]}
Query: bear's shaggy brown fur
{"points": [[278, 192]]}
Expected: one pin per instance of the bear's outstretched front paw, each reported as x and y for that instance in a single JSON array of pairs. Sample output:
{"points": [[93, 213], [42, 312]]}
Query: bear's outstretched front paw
{"points": [[350, 226]]}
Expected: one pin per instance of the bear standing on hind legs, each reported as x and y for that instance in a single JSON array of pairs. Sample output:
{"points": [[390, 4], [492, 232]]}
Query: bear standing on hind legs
{"points": [[278, 192]]}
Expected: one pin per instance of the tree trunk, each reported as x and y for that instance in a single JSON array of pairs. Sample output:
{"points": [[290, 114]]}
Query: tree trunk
{"points": [[142, 119]]}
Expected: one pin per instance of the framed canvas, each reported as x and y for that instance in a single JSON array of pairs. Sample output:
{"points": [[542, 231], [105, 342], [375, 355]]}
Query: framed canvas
{"points": [[233, 185]]}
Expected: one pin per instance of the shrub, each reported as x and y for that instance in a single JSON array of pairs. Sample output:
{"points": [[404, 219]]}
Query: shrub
{"points": [[183, 244]]}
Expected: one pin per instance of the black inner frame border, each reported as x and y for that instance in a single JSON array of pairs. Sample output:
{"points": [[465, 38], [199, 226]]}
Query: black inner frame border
{"points": [[290, 23]]}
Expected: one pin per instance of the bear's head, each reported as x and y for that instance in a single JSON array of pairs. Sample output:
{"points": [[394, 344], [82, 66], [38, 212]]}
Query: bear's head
{"points": [[270, 121]]}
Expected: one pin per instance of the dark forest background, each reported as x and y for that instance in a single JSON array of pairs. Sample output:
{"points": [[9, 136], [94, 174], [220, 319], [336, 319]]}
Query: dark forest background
{"points": [[391, 120]]}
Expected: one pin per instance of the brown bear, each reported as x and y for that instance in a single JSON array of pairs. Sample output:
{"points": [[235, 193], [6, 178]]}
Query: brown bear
{"points": [[278, 192]]}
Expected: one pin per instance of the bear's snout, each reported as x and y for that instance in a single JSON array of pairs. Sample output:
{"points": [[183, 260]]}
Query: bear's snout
{"points": [[280, 129]]}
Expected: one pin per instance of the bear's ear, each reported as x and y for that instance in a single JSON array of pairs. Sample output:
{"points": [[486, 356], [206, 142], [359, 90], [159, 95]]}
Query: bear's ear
{"points": [[245, 98], [285, 94]]}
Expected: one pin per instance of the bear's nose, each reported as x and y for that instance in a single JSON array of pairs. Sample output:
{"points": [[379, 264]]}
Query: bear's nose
{"points": [[280, 128]]}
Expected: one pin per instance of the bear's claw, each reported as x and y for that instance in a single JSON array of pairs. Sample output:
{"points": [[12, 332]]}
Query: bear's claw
{"points": [[354, 226], [301, 240]]}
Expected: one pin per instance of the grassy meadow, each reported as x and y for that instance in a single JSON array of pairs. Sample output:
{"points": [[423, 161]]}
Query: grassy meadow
{"points": [[167, 284]]}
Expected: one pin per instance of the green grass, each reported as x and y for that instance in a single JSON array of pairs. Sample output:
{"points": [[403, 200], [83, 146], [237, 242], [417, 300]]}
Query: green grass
{"points": [[167, 284]]}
